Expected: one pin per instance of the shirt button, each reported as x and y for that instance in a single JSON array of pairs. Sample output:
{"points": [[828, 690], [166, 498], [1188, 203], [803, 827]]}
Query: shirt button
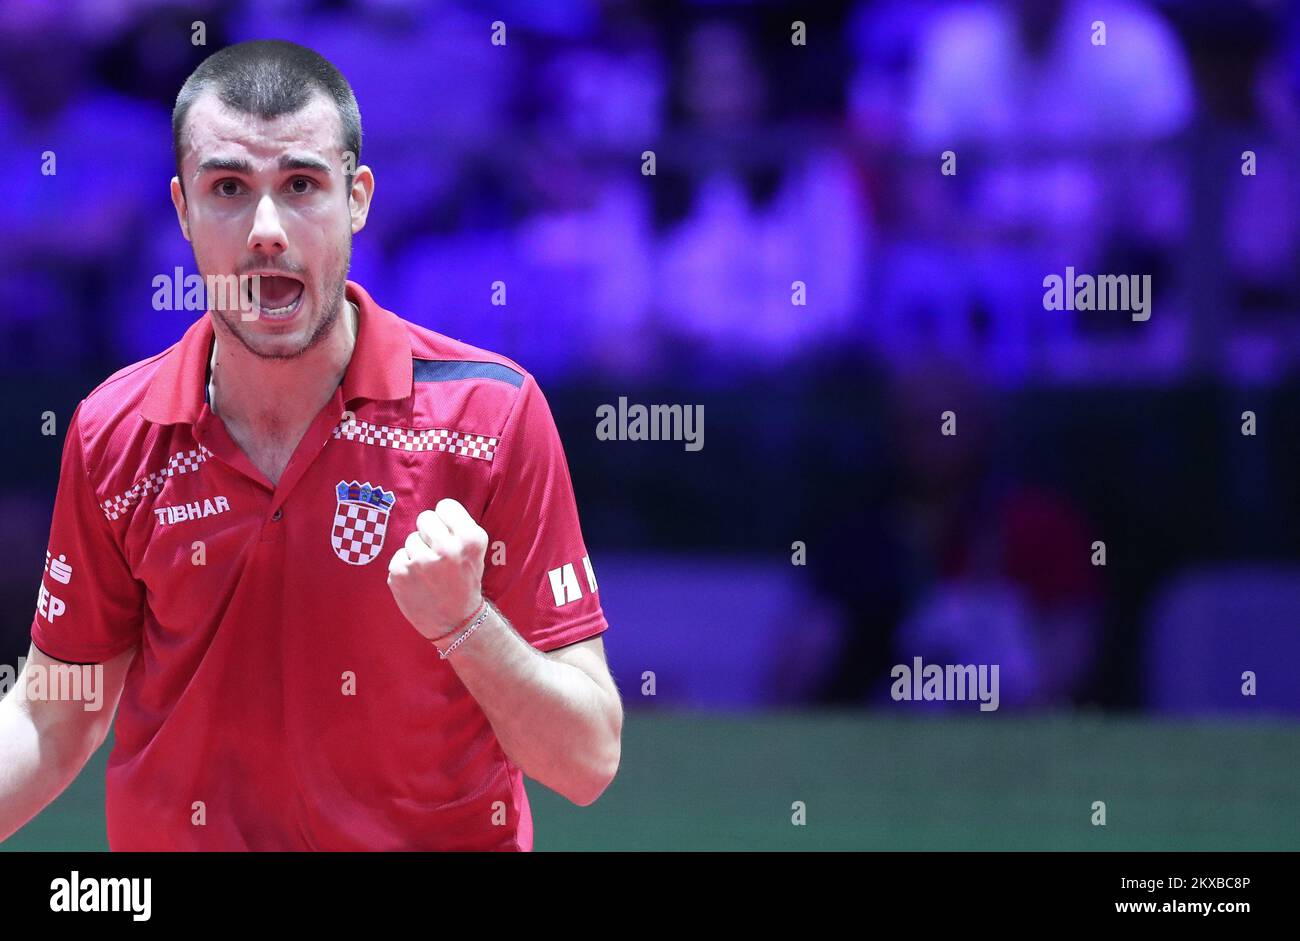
{"points": [[276, 515]]}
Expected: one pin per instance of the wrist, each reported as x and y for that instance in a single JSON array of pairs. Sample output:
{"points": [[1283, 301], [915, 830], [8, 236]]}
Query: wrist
{"points": [[449, 636]]}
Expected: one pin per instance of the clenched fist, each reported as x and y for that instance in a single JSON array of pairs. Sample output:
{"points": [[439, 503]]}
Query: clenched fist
{"points": [[437, 577]]}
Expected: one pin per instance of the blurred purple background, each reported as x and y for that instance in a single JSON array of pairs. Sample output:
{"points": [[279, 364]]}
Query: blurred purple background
{"points": [[779, 163]]}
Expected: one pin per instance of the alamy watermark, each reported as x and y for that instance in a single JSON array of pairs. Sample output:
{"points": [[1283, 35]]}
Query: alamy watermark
{"points": [[228, 292], [651, 423], [1099, 292], [79, 893], [56, 682], [952, 682]]}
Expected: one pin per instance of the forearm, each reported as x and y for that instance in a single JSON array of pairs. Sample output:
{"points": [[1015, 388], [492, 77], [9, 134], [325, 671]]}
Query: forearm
{"points": [[553, 720], [34, 767]]}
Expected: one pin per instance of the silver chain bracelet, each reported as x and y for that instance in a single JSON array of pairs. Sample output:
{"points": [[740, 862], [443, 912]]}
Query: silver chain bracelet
{"points": [[487, 609]]}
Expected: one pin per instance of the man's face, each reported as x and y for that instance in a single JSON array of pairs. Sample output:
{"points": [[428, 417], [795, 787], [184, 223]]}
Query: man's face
{"points": [[269, 198]]}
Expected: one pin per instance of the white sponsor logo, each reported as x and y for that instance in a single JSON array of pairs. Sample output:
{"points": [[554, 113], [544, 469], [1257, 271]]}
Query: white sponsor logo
{"points": [[59, 568], [190, 511], [49, 606], [564, 582]]}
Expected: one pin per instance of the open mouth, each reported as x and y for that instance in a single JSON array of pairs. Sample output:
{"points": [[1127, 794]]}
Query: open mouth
{"points": [[276, 297]]}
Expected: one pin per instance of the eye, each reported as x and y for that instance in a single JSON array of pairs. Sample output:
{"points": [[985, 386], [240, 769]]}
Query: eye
{"points": [[308, 184], [226, 187]]}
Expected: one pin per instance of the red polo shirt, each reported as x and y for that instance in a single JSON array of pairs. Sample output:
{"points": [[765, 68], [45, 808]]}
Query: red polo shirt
{"points": [[279, 700]]}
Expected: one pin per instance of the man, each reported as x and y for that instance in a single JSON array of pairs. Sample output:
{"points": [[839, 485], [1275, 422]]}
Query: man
{"points": [[251, 522]]}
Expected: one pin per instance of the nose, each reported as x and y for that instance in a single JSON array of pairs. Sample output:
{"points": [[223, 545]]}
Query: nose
{"points": [[267, 235]]}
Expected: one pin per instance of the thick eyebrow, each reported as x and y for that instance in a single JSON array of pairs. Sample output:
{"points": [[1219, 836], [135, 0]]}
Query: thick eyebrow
{"points": [[304, 163], [228, 164], [239, 165]]}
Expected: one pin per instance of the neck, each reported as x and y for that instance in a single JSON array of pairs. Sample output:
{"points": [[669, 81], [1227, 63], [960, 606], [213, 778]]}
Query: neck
{"points": [[272, 394]]}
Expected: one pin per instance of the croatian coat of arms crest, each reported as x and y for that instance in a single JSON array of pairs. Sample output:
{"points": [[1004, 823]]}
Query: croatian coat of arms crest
{"points": [[360, 521]]}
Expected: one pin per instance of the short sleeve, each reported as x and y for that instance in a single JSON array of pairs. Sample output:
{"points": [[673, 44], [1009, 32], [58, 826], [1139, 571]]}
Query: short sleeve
{"points": [[89, 607], [537, 570]]}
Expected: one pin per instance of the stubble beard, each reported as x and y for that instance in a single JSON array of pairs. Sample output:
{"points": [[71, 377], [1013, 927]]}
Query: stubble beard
{"points": [[332, 307]]}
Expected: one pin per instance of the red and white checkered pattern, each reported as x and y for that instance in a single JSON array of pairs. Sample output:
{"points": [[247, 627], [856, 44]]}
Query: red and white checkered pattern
{"points": [[481, 447], [358, 532], [182, 462]]}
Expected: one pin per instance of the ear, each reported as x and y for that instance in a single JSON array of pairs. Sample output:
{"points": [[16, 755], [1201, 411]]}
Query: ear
{"points": [[178, 201], [360, 196]]}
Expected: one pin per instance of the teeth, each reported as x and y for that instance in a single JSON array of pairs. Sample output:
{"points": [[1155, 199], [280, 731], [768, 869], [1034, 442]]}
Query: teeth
{"points": [[272, 311], [277, 311]]}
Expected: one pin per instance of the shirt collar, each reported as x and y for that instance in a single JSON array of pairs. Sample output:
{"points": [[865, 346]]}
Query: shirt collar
{"points": [[380, 367]]}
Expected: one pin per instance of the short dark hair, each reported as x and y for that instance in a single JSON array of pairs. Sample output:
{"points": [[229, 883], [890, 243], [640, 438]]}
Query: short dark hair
{"points": [[269, 77]]}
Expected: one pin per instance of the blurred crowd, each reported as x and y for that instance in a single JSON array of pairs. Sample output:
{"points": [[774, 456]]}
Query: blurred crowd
{"points": [[868, 216], [775, 163]]}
